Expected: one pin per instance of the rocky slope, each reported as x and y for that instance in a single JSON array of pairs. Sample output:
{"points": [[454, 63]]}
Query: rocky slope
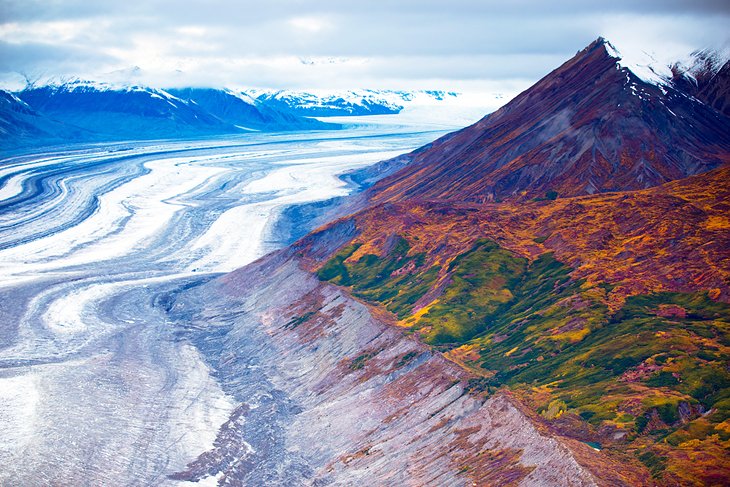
{"points": [[333, 394], [590, 126], [335, 388]]}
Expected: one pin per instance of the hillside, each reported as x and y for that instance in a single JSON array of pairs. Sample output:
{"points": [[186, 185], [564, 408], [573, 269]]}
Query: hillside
{"points": [[333, 394], [606, 314], [590, 126], [21, 124]]}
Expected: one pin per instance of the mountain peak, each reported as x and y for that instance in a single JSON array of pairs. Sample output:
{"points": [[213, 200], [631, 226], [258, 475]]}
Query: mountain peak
{"points": [[642, 64], [599, 42], [592, 125]]}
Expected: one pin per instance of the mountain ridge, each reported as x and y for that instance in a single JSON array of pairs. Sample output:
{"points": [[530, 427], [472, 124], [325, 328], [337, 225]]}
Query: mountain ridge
{"points": [[572, 137], [78, 110]]}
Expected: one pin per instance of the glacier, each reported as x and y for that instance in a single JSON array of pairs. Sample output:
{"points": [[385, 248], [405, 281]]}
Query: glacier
{"points": [[97, 384]]}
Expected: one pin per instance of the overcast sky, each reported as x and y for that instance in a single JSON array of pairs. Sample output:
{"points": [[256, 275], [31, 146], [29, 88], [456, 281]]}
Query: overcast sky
{"points": [[447, 44]]}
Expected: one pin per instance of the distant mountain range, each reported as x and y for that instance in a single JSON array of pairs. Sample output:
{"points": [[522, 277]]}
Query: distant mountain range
{"points": [[76, 111], [569, 252], [344, 103], [70, 111]]}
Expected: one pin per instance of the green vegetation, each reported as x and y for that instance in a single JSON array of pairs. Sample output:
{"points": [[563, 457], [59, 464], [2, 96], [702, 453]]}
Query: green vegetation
{"points": [[406, 359], [634, 354], [478, 384], [335, 270], [359, 361], [482, 280], [651, 368], [491, 289], [549, 196], [488, 287], [298, 320], [383, 279], [654, 462]]}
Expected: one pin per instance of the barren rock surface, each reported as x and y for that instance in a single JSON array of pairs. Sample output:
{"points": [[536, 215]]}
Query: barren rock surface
{"points": [[332, 395]]}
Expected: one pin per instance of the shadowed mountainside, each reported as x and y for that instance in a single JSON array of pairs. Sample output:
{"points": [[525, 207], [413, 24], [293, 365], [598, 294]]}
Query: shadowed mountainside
{"points": [[590, 126], [19, 123]]}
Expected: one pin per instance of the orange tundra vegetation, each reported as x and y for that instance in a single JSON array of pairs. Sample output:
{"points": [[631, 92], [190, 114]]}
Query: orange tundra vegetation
{"points": [[605, 315], [673, 237]]}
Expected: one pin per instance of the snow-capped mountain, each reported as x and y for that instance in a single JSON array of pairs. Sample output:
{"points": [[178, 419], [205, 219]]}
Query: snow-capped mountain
{"points": [[117, 110], [598, 123], [701, 65], [20, 124], [121, 111], [244, 112], [705, 75], [343, 103]]}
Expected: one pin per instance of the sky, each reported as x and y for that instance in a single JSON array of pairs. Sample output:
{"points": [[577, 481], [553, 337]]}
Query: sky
{"points": [[459, 45]]}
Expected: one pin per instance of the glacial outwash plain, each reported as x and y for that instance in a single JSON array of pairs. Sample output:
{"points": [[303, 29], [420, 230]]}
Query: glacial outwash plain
{"points": [[541, 298]]}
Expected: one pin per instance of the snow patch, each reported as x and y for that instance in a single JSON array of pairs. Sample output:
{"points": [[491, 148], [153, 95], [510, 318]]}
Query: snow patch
{"points": [[704, 62], [244, 97], [643, 64]]}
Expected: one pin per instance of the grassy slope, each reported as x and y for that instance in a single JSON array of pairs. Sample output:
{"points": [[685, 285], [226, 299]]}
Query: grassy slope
{"points": [[645, 372]]}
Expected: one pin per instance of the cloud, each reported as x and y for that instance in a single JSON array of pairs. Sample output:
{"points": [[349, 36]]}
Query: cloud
{"points": [[337, 43], [33, 58]]}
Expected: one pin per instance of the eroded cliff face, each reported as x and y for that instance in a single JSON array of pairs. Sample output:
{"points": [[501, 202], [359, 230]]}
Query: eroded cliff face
{"points": [[332, 393]]}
